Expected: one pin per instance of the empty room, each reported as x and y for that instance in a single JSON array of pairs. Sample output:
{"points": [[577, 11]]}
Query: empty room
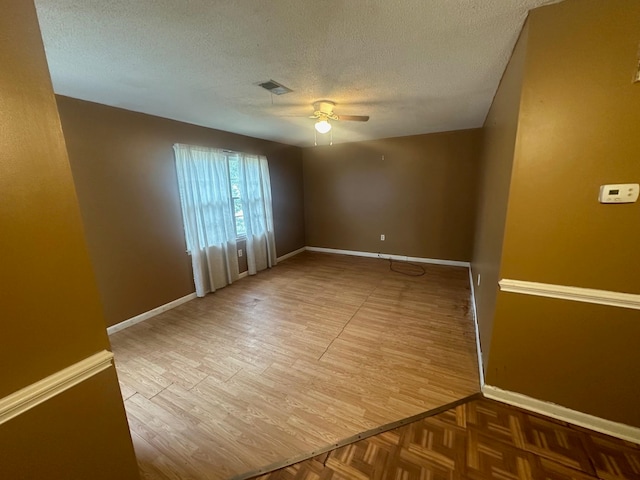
{"points": [[320, 240]]}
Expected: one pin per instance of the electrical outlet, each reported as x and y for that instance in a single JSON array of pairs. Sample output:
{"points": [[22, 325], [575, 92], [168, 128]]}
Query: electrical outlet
{"points": [[382, 237], [478, 279], [239, 252]]}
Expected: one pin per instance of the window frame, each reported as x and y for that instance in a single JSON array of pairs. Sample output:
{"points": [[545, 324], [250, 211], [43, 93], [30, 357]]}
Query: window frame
{"points": [[239, 236]]}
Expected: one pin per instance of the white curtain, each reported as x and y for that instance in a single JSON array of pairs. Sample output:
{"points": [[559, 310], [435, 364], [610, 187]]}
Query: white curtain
{"points": [[258, 212], [207, 211]]}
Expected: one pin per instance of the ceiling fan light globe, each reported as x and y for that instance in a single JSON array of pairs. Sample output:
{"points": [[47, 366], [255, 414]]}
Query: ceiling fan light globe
{"points": [[322, 126]]}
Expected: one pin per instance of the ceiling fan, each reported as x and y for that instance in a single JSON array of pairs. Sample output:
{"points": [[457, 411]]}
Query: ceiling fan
{"points": [[323, 112]]}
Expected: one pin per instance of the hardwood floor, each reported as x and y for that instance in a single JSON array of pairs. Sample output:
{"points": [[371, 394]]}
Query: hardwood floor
{"points": [[292, 362], [481, 439]]}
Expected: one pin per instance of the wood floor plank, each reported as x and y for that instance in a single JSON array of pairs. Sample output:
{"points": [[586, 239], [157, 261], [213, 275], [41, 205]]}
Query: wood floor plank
{"points": [[292, 361], [480, 439]]}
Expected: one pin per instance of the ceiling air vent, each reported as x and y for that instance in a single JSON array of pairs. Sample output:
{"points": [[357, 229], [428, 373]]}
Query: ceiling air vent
{"points": [[275, 87]]}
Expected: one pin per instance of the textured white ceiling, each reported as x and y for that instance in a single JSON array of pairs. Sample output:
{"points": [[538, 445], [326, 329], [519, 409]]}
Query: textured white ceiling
{"points": [[413, 66]]}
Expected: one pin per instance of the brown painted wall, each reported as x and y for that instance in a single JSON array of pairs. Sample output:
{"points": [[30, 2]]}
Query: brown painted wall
{"points": [[499, 139], [124, 170], [420, 195], [49, 304], [579, 118]]}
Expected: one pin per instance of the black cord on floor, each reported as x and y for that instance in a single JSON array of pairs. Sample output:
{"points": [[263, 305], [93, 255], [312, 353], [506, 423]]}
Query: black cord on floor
{"points": [[418, 270]]}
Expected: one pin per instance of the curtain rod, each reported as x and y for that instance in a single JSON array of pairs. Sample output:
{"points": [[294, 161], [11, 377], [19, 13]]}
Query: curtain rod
{"points": [[225, 150]]}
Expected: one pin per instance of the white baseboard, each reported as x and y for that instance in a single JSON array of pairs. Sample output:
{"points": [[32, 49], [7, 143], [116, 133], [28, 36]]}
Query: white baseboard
{"points": [[290, 254], [477, 328], [151, 313], [608, 427], [401, 258], [32, 395], [168, 306]]}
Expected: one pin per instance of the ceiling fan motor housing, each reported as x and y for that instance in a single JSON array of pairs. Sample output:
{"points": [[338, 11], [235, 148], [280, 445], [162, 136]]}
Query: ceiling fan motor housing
{"points": [[324, 111]]}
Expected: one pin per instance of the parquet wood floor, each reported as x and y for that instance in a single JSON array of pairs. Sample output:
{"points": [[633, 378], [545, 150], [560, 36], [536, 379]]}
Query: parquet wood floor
{"points": [[292, 362], [482, 440]]}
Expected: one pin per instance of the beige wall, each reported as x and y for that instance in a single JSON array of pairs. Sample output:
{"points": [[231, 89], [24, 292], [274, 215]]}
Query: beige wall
{"points": [[420, 195], [124, 171], [499, 139], [578, 129], [49, 304]]}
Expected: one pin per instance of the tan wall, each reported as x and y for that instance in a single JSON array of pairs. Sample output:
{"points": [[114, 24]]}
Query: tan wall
{"points": [[499, 139], [580, 128], [49, 297], [49, 304], [420, 195], [578, 355], [124, 170], [579, 119], [73, 436]]}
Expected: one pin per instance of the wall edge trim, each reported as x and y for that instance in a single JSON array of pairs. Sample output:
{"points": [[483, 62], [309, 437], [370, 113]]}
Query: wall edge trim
{"points": [[576, 294], [39, 392], [477, 328], [602, 425], [151, 313], [290, 254], [403, 258]]}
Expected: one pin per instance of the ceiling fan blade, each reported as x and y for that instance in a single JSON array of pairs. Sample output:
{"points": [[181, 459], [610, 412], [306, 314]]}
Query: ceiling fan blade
{"points": [[354, 118]]}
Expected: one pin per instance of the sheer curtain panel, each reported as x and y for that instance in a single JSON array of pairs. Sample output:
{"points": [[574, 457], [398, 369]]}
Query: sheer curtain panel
{"points": [[258, 212], [207, 211], [224, 195]]}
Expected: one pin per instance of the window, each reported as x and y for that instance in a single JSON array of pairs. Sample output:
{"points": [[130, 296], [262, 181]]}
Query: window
{"points": [[224, 196], [234, 181]]}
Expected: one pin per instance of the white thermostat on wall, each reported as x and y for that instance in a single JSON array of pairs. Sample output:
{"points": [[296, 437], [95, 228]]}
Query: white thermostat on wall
{"points": [[619, 193]]}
